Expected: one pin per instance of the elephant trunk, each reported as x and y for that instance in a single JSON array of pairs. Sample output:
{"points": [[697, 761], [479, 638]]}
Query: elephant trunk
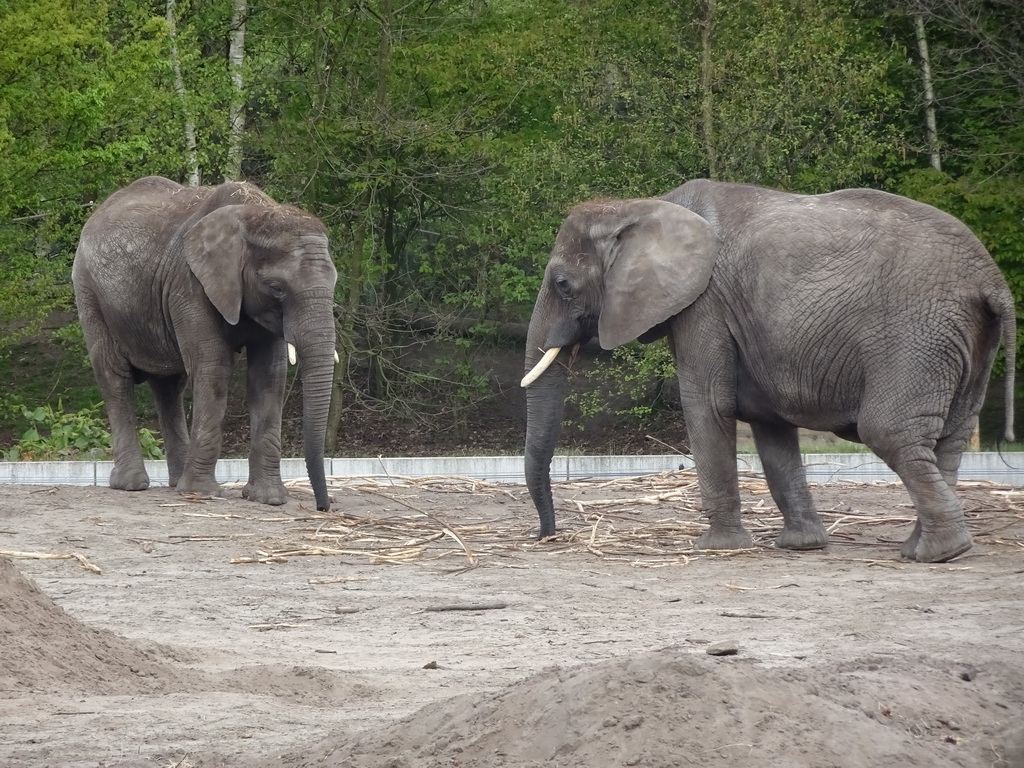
{"points": [[314, 337], [545, 406]]}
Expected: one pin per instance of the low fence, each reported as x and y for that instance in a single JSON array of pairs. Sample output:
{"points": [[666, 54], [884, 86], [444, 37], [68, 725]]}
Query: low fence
{"points": [[1003, 468]]}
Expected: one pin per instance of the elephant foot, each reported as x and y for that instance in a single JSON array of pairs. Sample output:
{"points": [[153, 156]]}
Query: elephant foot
{"points": [[266, 492], [937, 546], [724, 538], [204, 488], [174, 477], [811, 535], [135, 479], [547, 526]]}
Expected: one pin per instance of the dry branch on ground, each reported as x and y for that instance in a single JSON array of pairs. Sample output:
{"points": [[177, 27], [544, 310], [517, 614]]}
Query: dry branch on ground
{"points": [[649, 521]]}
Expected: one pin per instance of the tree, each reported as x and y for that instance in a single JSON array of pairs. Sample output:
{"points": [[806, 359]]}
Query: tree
{"points": [[191, 154], [929, 92], [806, 95], [977, 62], [82, 110], [236, 108], [352, 129]]}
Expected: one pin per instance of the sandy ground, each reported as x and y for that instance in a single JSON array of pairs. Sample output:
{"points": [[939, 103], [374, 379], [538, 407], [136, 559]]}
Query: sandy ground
{"points": [[421, 625]]}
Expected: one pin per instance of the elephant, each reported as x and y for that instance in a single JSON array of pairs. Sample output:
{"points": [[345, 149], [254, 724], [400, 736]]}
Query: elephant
{"points": [[857, 312], [170, 283]]}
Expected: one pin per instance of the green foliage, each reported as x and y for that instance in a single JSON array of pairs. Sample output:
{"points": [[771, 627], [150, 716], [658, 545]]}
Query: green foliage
{"points": [[629, 384], [976, 53], [456, 379], [443, 141], [54, 434], [80, 115], [807, 97]]}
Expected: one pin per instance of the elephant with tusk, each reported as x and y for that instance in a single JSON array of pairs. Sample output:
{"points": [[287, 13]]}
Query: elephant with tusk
{"points": [[858, 312], [171, 282]]}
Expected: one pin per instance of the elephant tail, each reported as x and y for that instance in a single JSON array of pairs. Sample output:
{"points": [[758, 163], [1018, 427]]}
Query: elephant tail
{"points": [[1002, 305]]}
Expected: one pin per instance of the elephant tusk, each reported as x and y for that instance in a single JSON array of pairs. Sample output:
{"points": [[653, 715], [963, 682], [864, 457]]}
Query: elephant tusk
{"points": [[540, 367], [336, 358], [292, 357]]}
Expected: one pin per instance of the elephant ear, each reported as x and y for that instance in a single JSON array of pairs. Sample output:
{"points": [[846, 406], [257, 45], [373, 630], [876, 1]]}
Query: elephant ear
{"points": [[215, 250], [658, 260]]}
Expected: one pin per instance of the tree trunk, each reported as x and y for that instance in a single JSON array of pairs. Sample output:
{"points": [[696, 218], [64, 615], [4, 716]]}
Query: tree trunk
{"points": [[345, 330], [929, 93], [191, 154], [707, 86], [236, 110], [380, 338]]}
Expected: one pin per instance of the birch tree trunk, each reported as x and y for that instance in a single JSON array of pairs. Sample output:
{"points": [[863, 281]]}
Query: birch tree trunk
{"points": [[191, 154], [929, 93], [236, 110]]}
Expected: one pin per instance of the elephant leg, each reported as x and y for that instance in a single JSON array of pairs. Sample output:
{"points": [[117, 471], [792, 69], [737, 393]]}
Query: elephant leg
{"points": [[779, 448], [941, 530], [129, 471], [713, 443], [167, 392], [707, 394], [114, 377], [210, 377], [948, 452], [265, 384]]}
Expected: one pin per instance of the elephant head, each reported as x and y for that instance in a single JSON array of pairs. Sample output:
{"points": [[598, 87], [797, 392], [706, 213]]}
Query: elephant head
{"points": [[271, 263], [618, 269]]}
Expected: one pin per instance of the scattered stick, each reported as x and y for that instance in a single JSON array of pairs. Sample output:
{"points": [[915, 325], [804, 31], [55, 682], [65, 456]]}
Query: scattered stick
{"points": [[752, 589], [48, 556], [339, 579], [607, 518], [467, 607], [670, 447]]}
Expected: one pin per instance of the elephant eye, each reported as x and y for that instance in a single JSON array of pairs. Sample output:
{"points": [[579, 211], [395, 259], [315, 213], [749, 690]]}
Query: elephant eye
{"points": [[562, 286], [275, 289]]}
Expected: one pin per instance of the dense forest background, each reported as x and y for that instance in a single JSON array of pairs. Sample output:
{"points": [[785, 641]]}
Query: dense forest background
{"points": [[442, 142]]}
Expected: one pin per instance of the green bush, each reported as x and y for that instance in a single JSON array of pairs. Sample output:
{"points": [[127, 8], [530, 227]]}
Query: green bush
{"points": [[629, 384], [54, 434]]}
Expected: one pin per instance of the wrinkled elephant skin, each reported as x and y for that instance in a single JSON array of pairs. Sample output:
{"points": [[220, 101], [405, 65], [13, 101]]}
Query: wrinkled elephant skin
{"points": [[857, 312], [171, 282]]}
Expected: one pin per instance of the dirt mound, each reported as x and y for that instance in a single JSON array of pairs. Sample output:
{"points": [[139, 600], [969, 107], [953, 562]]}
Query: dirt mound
{"points": [[322, 657], [680, 708], [309, 686], [43, 650]]}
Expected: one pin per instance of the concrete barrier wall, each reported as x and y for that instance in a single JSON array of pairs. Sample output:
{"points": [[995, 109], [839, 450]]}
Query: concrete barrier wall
{"points": [[1007, 468]]}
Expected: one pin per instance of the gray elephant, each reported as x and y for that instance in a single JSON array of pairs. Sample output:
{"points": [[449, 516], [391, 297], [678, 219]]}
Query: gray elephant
{"points": [[858, 312], [171, 282]]}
